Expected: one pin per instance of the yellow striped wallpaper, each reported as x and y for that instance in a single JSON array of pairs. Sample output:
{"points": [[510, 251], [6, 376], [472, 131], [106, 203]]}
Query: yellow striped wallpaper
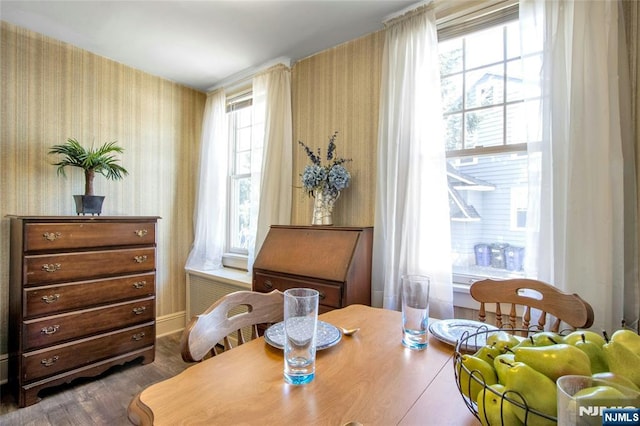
{"points": [[51, 91]]}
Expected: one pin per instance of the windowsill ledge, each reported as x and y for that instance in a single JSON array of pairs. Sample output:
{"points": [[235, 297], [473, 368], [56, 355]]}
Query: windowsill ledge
{"points": [[230, 276]]}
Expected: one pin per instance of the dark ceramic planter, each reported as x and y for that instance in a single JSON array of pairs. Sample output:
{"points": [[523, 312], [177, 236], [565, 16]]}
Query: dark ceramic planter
{"points": [[88, 204]]}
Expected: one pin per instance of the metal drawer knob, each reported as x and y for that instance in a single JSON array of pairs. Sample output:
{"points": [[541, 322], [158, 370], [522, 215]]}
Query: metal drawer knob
{"points": [[138, 336], [268, 284], [50, 330], [48, 362], [51, 236], [139, 284], [140, 259], [51, 267], [141, 232], [139, 310], [51, 298]]}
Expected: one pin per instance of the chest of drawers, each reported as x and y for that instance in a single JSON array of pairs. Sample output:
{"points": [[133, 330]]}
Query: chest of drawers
{"points": [[81, 298], [336, 261]]}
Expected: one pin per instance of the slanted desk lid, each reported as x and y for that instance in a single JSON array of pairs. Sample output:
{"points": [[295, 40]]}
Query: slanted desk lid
{"points": [[324, 253]]}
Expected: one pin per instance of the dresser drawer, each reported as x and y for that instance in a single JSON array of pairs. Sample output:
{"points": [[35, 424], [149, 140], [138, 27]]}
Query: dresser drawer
{"points": [[59, 328], [49, 361], [52, 299], [55, 268], [330, 295], [57, 236]]}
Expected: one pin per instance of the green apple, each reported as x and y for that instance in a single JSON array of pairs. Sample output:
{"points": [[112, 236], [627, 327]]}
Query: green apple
{"points": [[617, 379], [555, 360]]}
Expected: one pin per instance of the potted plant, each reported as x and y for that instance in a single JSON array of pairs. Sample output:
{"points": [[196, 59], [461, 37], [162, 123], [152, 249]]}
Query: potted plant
{"points": [[92, 161]]}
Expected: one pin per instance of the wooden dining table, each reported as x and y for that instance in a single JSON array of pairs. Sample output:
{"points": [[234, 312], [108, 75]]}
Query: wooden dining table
{"points": [[367, 378]]}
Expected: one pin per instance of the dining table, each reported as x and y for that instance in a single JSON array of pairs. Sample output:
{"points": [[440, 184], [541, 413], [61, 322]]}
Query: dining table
{"points": [[367, 378]]}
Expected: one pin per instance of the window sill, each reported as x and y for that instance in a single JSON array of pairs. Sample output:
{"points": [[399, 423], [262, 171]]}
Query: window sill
{"points": [[230, 276]]}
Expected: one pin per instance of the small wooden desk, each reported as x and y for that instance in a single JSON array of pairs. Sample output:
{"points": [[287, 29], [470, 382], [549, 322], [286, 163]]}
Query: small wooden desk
{"points": [[368, 378]]}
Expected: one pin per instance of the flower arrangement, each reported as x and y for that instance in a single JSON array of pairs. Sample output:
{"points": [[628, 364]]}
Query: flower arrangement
{"points": [[327, 179]]}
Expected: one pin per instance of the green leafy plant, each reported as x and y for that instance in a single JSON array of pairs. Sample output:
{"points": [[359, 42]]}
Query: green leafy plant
{"points": [[101, 160]]}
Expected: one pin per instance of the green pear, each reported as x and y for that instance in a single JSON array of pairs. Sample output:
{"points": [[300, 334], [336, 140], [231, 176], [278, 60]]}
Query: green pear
{"points": [[546, 338], [502, 340], [622, 361], [477, 369], [599, 392], [577, 336], [617, 379], [527, 342], [628, 338], [538, 391], [488, 353], [501, 365], [493, 409], [555, 360], [593, 350]]}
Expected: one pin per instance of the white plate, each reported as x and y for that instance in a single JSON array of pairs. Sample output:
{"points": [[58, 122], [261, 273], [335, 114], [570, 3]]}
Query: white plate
{"points": [[327, 335], [450, 330]]}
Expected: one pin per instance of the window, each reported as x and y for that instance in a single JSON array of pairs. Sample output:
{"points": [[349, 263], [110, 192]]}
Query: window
{"points": [[242, 155], [485, 102]]}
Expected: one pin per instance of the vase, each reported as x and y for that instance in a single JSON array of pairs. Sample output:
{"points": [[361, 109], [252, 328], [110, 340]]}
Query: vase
{"points": [[323, 208]]}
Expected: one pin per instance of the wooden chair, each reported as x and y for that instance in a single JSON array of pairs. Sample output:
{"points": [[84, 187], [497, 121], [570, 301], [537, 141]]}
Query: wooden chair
{"points": [[218, 323], [568, 308]]}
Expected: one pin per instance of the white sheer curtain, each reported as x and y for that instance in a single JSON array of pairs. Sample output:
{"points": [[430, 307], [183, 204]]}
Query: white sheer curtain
{"points": [[272, 137], [211, 199], [587, 238], [412, 228]]}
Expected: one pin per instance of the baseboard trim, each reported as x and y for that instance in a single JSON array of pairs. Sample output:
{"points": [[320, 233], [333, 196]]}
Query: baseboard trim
{"points": [[165, 325]]}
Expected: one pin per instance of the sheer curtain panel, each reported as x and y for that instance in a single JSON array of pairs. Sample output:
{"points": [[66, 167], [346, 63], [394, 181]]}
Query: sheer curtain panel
{"points": [[412, 228], [586, 228], [273, 133], [211, 199]]}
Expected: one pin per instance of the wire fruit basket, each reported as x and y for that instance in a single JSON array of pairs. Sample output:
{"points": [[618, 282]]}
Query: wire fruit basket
{"points": [[470, 343]]}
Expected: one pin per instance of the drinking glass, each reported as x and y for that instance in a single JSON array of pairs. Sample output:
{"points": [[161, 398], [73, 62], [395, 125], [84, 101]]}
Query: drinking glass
{"points": [[415, 311], [300, 324]]}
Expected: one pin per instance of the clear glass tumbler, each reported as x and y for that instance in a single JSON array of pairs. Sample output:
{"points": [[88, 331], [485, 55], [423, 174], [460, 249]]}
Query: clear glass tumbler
{"points": [[300, 324]]}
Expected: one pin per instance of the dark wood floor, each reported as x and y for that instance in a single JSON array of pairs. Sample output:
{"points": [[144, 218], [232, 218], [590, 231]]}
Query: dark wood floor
{"points": [[98, 401]]}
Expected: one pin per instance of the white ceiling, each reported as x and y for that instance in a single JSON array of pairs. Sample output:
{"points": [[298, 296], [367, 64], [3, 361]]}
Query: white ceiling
{"points": [[202, 44]]}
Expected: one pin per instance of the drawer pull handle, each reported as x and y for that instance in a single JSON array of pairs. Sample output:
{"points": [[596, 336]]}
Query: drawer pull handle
{"points": [[140, 310], [51, 267], [141, 232], [50, 330], [140, 259], [52, 236], [138, 336], [139, 284], [51, 298], [321, 295], [49, 361], [268, 284]]}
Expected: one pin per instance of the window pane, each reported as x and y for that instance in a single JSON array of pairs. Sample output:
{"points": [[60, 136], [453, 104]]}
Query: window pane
{"points": [[484, 48], [513, 40], [484, 127], [451, 88], [450, 56], [240, 214], [453, 131], [243, 139], [243, 163], [487, 234], [484, 87]]}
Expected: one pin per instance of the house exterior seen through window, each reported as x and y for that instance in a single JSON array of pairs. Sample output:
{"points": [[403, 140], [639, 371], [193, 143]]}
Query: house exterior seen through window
{"points": [[485, 103]]}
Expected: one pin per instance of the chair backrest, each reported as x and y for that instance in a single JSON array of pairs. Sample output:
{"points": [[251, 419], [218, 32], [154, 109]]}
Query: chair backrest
{"points": [[218, 323], [568, 308]]}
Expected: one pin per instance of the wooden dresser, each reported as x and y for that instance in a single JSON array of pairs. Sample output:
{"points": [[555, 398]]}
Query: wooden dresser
{"points": [[81, 298], [336, 261]]}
